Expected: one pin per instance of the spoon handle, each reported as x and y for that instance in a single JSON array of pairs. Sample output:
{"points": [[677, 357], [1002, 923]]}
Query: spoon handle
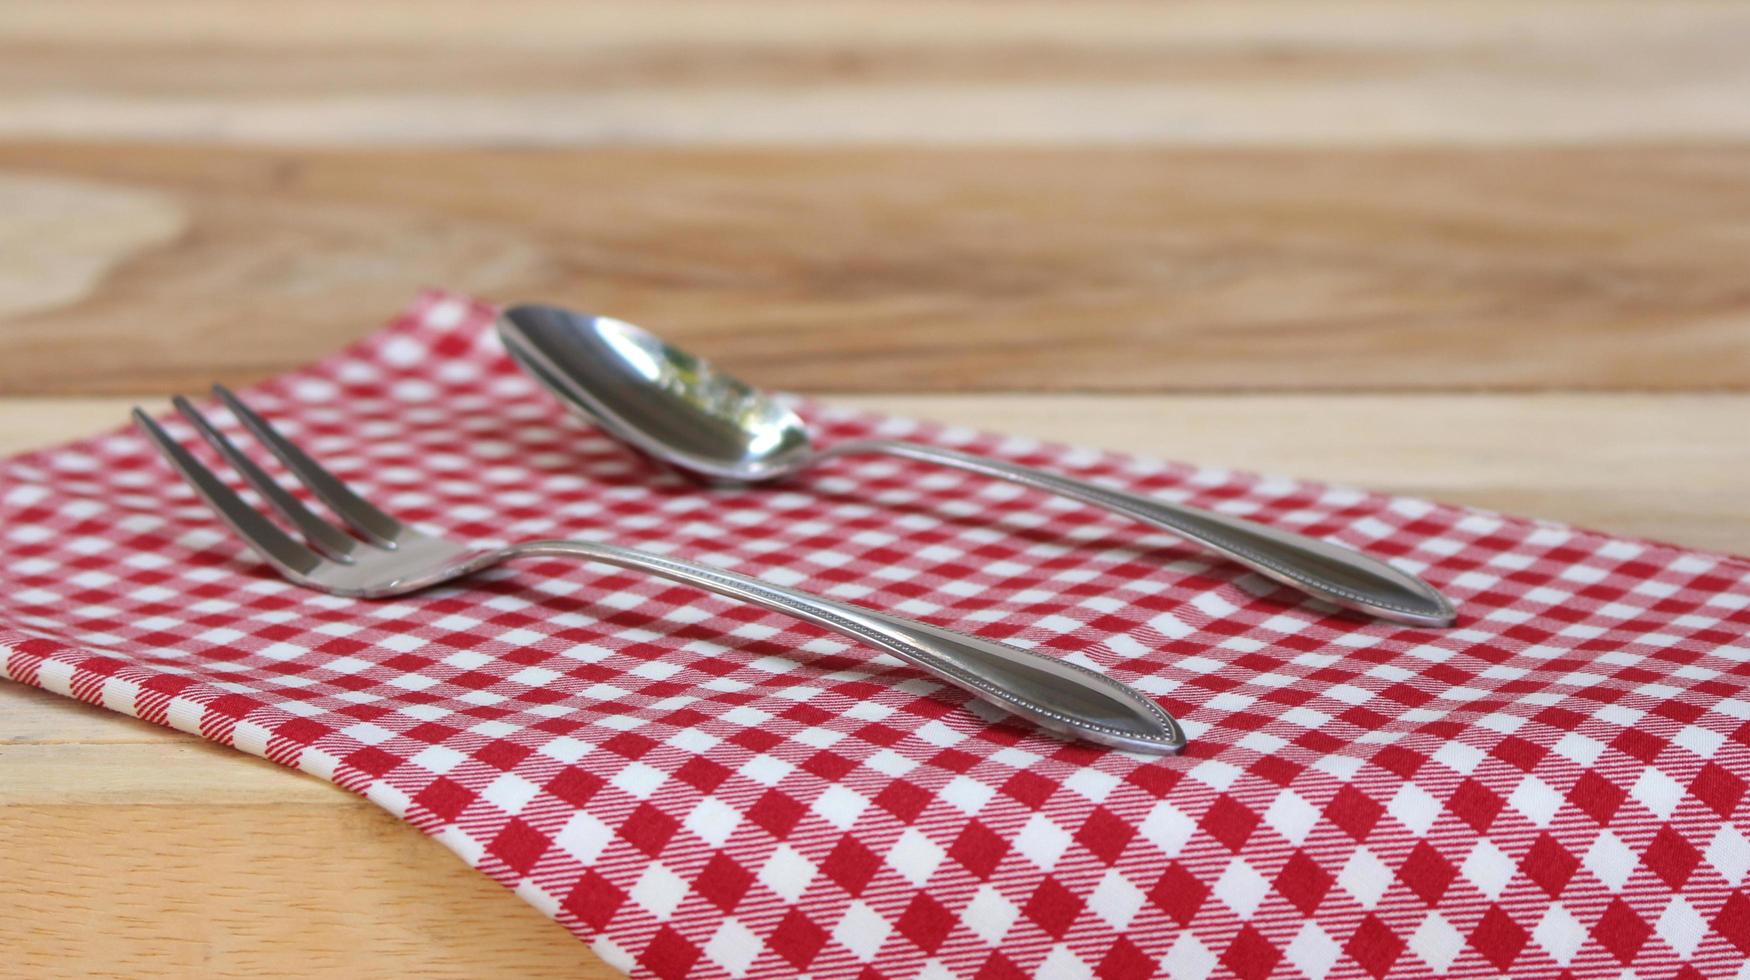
{"points": [[1321, 569], [1055, 694]]}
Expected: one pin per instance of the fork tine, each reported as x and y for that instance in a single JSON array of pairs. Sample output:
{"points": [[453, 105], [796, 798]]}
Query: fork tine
{"points": [[273, 544], [349, 506], [323, 536]]}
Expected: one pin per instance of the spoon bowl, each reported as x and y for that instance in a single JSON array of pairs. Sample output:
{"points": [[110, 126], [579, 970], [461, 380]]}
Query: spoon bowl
{"points": [[670, 404]]}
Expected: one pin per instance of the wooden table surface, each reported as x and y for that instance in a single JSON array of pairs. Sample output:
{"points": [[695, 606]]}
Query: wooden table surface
{"points": [[1493, 253]]}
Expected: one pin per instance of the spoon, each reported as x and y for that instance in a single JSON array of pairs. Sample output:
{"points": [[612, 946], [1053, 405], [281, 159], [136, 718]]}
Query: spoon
{"points": [[678, 409]]}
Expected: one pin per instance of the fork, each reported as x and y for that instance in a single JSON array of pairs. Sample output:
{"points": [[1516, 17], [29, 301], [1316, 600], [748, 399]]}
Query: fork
{"points": [[382, 556]]}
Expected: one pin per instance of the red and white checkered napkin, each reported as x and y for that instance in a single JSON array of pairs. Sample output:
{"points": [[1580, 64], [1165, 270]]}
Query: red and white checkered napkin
{"points": [[697, 787]]}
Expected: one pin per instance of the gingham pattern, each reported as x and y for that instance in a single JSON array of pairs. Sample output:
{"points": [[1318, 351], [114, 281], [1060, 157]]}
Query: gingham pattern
{"points": [[696, 787]]}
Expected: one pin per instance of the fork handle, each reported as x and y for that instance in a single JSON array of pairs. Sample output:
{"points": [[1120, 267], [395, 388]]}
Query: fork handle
{"points": [[1327, 571], [1054, 694]]}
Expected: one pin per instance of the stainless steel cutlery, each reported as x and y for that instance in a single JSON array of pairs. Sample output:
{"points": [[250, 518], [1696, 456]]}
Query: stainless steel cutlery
{"points": [[372, 554], [677, 408]]}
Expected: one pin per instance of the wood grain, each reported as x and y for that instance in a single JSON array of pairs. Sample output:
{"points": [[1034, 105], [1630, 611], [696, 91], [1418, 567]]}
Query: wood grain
{"points": [[452, 72], [148, 853], [950, 270], [132, 851]]}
